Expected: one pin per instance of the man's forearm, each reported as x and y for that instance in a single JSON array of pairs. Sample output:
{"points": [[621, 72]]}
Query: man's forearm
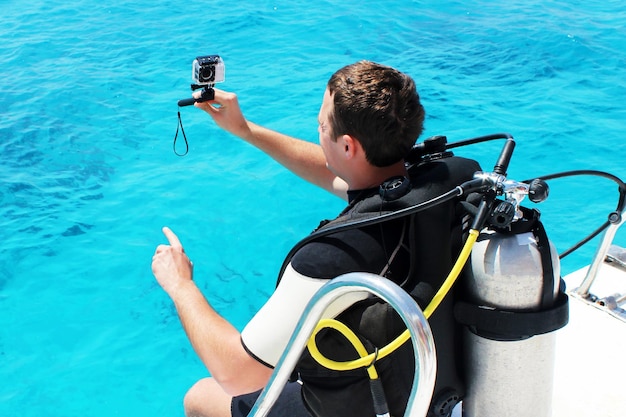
{"points": [[303, 158]]}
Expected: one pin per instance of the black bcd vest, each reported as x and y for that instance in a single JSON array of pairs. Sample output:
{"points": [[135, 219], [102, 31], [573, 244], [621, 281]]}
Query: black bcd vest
{"points": [[435, 239]]}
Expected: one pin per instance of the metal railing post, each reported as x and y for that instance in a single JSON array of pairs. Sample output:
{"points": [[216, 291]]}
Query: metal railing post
{"points": [[598, 259], [421, 338]]}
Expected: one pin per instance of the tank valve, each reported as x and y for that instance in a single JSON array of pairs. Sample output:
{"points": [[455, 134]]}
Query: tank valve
{"points": [[538, 191]]}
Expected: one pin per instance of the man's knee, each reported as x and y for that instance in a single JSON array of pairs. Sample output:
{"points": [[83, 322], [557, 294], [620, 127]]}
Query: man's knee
{"points": [[207, 399]]}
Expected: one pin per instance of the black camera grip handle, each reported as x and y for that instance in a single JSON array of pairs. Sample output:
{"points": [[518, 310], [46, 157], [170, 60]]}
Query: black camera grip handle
{"points": [[207, 94], [186, 102]]}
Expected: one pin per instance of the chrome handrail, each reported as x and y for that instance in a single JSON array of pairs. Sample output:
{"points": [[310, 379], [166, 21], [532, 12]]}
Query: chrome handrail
{"points": [[407, 308], [583, 290]]}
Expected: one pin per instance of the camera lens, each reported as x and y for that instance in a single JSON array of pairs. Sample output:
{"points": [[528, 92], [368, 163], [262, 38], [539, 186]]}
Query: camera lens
{"points": [[207, 74]]}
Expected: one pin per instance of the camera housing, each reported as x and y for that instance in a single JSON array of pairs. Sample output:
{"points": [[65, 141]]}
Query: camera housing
{"points": [[208, 70]]}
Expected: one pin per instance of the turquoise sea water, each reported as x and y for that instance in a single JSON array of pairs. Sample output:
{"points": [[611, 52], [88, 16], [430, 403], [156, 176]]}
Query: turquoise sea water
{"points": [[88, 177]]}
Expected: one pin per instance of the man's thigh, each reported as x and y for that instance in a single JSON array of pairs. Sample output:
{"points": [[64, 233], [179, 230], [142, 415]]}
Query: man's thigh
{"points": [[207, 399], [289, 403]]}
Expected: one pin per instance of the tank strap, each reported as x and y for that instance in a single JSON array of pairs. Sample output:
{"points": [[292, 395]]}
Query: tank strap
{"points": [[543, 245], [505, 325]]}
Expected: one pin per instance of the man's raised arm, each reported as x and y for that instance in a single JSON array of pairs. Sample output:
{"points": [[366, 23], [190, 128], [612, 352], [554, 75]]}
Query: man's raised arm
{"points": [[301, 157]]}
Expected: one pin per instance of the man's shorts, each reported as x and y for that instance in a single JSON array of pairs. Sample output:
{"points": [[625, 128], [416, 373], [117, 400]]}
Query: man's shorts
{"points": [[289, 403]]}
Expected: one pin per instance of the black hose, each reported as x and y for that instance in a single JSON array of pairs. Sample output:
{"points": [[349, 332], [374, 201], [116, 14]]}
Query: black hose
{"points": [[620, 203]]}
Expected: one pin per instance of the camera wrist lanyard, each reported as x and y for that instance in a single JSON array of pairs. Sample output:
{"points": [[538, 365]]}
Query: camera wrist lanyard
{"points": [[208, 93], [180, 126]]}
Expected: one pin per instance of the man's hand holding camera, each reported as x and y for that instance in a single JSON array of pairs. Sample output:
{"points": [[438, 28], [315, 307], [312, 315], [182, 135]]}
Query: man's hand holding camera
{"points": [[225, 111]]}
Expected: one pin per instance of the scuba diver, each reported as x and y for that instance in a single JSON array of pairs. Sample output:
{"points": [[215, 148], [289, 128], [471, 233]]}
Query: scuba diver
{"points": [[369, 121]]}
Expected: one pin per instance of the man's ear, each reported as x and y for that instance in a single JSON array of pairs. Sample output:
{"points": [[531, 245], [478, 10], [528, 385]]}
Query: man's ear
{"points": [[351, 146]]}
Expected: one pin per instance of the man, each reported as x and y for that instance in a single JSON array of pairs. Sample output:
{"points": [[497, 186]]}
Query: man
{"points": [[369, 119]]}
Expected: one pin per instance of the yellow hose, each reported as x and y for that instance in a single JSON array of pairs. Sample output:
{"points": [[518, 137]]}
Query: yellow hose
{"points": [[367, 360], [352, 338]]}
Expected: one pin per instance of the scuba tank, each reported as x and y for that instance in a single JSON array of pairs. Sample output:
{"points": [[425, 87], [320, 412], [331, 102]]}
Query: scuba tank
{"points": [[511, 305]]}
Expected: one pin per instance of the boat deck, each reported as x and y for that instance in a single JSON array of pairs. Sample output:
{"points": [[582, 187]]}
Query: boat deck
{"points": [[590, 368]]}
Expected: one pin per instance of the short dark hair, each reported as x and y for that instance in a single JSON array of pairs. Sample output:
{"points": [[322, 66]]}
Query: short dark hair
{"points": [[380, 107]]}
